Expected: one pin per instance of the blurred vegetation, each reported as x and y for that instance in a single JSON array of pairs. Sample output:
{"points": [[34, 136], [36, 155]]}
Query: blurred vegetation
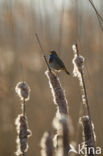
{"points": [[59, 25]]}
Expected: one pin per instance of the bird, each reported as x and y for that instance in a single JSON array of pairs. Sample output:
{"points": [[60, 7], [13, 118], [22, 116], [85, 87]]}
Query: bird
{"points": [[56, 63]]}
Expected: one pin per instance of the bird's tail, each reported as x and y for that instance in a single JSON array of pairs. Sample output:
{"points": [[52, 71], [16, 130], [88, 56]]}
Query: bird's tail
{"points": [[66, 71]]}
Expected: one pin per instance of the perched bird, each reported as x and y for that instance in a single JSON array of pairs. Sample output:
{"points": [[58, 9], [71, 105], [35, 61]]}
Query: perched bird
{"points": [[56, 63]]}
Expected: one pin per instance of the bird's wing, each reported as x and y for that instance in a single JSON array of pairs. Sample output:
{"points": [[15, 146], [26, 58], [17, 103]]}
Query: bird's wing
{"points": [[60, 62]]}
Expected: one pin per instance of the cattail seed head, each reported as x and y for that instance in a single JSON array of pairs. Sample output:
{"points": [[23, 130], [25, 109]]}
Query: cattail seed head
{"points": [[87, 135], [87, 129], [61, 139], [58, 94], [23, 134], [23, 90], [47, 145], [77, 62]]}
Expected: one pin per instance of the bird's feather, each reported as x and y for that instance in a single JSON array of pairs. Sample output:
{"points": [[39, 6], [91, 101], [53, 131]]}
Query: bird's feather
{"points": [[50, 58], [59, 62]]}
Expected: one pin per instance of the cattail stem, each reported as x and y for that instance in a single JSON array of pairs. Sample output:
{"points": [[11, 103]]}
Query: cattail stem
{"points": [[42, 50], [24, 107], [86, 97], [100, 18], [23, 90], [96, 10], [84, 87], [24, 154], [78, 62]]}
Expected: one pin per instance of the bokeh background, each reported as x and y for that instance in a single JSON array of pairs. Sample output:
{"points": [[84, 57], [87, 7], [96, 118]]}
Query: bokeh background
{"points": [[59, 24]]}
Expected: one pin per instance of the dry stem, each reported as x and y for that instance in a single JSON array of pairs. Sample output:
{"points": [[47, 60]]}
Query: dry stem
{"points": [[78, 64]]}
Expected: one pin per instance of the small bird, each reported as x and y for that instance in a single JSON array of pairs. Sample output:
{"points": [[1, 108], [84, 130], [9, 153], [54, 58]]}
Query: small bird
{"points": [[56, 63]]}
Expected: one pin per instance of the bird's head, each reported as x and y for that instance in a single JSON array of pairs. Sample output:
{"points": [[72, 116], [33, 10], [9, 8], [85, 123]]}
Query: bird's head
{"points": [[53, 52]]}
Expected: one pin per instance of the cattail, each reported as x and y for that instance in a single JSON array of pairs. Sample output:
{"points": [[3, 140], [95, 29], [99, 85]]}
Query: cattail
{"points": [[23, 134], [61, 121], [58, 93], [89, 144], [23, 91], [47, 145], [78, 64], [78, 72], [61, 139]]}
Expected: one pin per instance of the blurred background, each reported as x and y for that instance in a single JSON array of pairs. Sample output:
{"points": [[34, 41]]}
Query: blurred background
{"points": [[59, 24]]}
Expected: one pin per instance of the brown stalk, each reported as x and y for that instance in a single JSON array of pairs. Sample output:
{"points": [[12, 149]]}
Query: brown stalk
{"points": [[100, 19], [42, 50], [78, 63], [47, 148], [23, 91]]}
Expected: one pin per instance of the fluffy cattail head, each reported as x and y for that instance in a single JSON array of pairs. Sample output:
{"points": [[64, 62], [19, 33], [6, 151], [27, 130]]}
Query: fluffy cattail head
{"points": [[77, 62], [87, 130], [23, 90], [87, 135], [58, 138], [23, 134], [61, 140], [58, 93], [46, 145]]}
